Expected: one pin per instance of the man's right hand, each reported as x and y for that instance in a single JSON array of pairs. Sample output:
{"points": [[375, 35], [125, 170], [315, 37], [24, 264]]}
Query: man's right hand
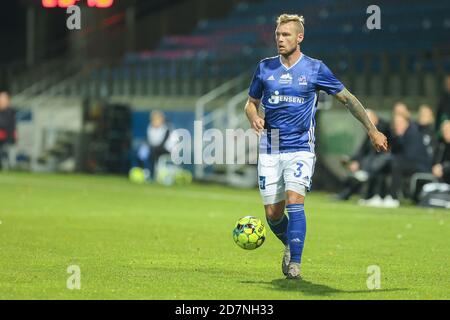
{"points": [[257, 124], [251, 111]]}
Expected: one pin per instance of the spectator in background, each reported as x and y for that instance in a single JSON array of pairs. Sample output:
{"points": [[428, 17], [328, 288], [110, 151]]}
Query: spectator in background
{"points": [[368, 165], [427, 128], [158, 135], [441, 167], [409, 155], [443, 110], [402, 109], [7, 127]]}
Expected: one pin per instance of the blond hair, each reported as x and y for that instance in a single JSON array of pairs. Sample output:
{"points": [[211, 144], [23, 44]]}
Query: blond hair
{"points": [[298, 20]]}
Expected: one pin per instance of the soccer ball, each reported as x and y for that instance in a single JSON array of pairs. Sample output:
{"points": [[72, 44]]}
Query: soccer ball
{"points": [[138, 175], [165, 176], [249, 233]]}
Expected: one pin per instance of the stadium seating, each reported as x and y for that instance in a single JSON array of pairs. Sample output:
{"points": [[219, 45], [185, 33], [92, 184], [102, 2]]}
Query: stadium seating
{"points": [[411, 35], [412, 43]]}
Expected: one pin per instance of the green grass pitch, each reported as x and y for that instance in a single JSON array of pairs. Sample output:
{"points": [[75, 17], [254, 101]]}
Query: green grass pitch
{"points": [[152, 242]]}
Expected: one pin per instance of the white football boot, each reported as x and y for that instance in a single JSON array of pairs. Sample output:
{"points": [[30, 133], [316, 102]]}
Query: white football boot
{"points": [[285, 260], [293, 271]]}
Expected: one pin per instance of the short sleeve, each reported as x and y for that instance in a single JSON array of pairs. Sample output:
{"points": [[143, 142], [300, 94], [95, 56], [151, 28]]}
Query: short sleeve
{"points": [[327, 81], [256, 87]]}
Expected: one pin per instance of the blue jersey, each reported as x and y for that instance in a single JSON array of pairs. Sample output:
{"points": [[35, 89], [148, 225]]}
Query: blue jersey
{"points": [[289, 99]]}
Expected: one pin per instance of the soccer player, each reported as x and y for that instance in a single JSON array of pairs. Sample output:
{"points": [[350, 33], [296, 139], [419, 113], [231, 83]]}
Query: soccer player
{"points": [[286, 86]]}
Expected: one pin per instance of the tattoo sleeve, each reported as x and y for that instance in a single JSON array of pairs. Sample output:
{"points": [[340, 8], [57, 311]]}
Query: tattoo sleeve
{"points": [[356, 108]]}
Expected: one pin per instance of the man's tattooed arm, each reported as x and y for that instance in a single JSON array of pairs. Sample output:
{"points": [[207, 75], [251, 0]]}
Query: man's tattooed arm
{"points": [[378, 139], [356, 108]]}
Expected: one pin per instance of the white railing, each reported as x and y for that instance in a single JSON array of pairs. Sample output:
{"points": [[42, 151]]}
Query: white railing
{"points": [[213, 117], [50, 120], [237, 119]]}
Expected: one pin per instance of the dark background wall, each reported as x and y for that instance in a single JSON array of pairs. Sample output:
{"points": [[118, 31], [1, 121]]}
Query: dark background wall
{"points": [[106, 33]]}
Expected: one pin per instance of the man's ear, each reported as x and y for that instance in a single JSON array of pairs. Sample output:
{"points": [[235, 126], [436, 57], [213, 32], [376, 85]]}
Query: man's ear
{"points": [[300, 38]]}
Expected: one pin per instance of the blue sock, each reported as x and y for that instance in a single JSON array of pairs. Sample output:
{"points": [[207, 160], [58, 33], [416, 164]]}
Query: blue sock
{"points": [[296, 230], [280, 228]]}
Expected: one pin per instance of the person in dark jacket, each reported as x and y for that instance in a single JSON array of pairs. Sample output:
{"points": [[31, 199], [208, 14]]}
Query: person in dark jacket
{"points": [[441, 167], [426, 124], [7, 126], [409, 155], [367, 165]]}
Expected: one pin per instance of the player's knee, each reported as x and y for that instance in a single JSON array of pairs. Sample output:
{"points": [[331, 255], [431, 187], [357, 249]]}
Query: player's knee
{"points": [[274, 211], [294, 198]]}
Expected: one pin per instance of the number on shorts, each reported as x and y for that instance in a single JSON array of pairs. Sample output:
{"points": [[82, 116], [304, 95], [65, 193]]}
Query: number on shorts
{"points": [[298, 174], [262, 183]]}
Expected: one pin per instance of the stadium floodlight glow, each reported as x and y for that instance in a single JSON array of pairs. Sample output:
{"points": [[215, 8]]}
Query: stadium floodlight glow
{"points": [[69, 3], [58, 3], [100, 3]]}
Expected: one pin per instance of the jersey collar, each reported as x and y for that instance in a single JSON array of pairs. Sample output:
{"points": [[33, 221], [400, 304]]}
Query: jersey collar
{"points": [[298, 60]]}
